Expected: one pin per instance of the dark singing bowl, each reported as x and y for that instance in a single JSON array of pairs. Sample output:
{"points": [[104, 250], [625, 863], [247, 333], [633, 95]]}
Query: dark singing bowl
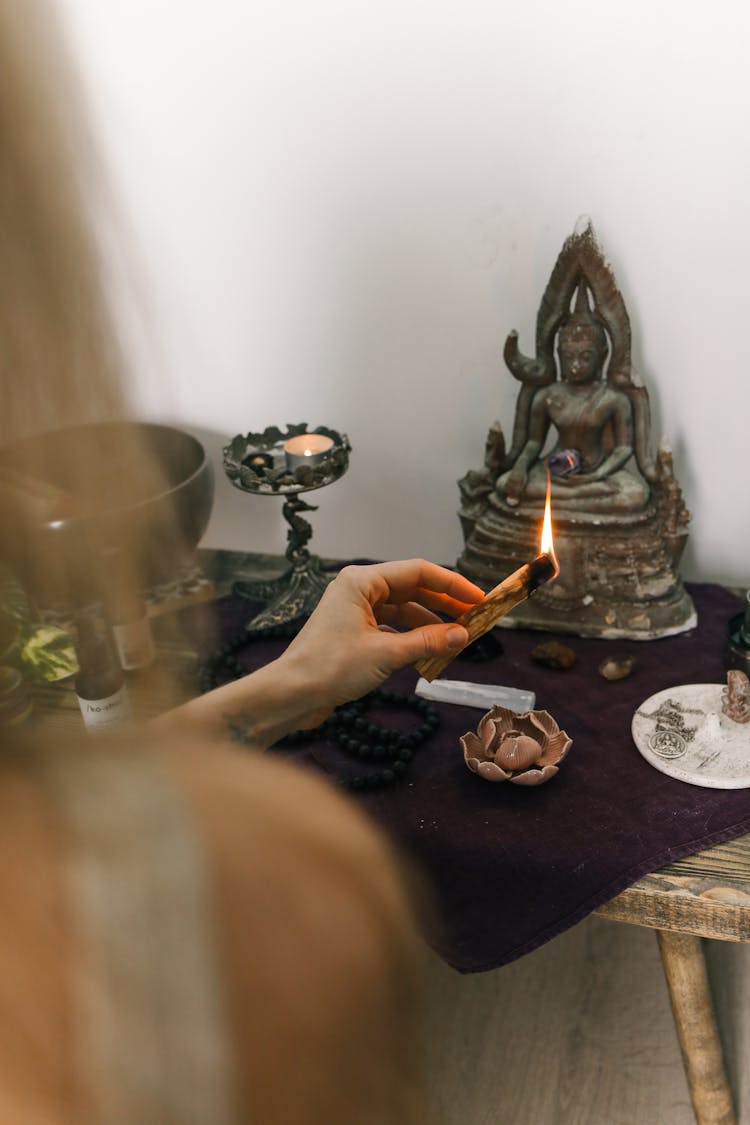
{"points": [[145, 490]]}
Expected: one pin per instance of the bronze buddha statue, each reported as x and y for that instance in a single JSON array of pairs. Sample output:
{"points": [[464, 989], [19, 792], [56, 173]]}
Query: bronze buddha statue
{"points": [[618, 515]]}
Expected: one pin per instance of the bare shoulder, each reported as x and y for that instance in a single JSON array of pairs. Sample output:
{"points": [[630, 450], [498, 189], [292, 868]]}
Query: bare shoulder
{"points": [[285, 845], [244, 799], [36, 950], [319, 949]]}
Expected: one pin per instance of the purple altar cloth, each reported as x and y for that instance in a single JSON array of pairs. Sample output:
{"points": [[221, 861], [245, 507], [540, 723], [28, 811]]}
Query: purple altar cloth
{"points": [[511, 867]]}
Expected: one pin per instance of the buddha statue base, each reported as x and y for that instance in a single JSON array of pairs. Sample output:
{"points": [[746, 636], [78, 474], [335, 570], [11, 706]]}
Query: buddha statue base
{"points": [[617, 578]]}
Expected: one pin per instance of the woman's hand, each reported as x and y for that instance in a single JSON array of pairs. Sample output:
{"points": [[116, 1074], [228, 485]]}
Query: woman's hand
{"points": [[351, 644]]}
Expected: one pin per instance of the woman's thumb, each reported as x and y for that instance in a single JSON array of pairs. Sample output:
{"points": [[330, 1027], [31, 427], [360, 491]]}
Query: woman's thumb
{"points": [[430, 640]]}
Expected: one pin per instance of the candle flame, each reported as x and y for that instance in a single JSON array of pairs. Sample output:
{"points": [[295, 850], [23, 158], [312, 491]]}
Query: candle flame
{"points": [[546, 545]]}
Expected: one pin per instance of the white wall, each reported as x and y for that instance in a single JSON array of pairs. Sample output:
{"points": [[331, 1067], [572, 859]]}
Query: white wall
{"points": [[335, 212]]}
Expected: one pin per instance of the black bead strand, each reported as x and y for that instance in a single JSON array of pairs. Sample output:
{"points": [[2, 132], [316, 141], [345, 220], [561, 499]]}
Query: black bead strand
{"points": [[388, 749]]}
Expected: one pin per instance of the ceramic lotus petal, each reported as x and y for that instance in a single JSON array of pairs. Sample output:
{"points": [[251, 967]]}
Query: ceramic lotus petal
{"points": [[516, 751], [524, 749]]}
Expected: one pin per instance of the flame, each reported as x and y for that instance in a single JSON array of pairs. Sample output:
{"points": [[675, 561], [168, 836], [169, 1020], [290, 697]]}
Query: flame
{"points": [[546, 545]]}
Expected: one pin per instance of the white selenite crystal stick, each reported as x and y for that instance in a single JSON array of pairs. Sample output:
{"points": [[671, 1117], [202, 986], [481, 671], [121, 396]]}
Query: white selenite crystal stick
{"points": [[482, 696]]}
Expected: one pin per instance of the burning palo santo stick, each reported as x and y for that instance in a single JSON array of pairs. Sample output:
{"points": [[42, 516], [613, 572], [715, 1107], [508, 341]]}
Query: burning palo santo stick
{"points": [[516, 588]]}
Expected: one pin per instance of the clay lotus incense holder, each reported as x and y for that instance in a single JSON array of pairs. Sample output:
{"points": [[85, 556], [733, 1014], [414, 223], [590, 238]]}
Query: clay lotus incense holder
{"points": [[525, 749]]}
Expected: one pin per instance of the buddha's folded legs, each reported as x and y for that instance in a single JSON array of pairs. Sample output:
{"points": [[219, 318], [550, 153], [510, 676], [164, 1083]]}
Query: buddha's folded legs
{"points": [[619, 492]]}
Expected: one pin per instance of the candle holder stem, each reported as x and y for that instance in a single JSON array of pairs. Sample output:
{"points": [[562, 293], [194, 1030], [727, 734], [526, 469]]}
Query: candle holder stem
{"points": [[297, 591], [300, 531]]}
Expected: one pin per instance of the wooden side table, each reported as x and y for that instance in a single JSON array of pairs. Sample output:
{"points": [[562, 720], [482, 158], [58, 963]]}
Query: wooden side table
{"points": [[706, 895]]}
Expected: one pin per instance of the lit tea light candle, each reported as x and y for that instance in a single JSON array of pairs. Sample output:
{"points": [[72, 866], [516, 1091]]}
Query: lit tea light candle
{"points": [[307, 449]]}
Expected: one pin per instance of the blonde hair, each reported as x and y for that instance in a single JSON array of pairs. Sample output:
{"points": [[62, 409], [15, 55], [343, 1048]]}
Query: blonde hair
{"points": [[60, 361], [284, 850]]}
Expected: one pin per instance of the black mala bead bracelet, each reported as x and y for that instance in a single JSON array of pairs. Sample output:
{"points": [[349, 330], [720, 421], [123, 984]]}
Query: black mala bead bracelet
{"points": [[388, 752]]}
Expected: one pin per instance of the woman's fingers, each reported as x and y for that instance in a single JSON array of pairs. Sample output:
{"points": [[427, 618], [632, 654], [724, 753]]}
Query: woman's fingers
{"points": [[410, 615], [443, 603], [414, 580]]}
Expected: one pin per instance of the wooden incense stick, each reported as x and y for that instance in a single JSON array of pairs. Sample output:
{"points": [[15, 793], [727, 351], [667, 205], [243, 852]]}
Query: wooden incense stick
{"points": [[482, 617]]}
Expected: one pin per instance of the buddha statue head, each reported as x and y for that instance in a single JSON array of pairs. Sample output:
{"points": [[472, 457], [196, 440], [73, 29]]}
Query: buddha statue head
{"points": [[582, 342]]}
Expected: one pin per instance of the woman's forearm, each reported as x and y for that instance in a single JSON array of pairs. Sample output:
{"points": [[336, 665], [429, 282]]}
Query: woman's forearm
{"points": [[340, 654], [257, 710]]}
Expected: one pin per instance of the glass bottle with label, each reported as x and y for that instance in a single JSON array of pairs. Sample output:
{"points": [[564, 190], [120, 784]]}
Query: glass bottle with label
{"points": [[100, 683]]}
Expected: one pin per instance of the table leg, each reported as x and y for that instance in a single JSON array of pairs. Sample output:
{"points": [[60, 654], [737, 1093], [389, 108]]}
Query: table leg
{"points": [[685, 969]]}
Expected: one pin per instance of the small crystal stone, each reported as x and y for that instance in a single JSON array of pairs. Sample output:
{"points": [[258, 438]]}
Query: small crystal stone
{"points": [[552, 654], [617, 667]]}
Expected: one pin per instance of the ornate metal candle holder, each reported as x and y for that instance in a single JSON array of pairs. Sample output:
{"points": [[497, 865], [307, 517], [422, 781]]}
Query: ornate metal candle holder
{"points": [[276, 463]]}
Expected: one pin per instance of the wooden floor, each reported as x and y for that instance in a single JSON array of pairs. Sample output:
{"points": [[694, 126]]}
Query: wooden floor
{"points": [[579, 1032]]}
